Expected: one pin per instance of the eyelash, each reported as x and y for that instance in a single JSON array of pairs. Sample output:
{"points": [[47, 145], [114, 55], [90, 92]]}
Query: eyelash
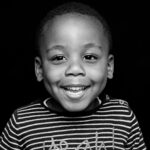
{"points": [[58, 59], [93, 58]]}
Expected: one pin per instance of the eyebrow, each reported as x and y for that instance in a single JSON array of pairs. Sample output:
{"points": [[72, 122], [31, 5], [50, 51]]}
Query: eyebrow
{"points": [[91, 45], [86, 46], [55, 47]]}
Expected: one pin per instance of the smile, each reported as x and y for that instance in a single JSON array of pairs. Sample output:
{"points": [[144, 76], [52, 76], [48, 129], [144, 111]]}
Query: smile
{"points": [[75, 92], [75, 89]]}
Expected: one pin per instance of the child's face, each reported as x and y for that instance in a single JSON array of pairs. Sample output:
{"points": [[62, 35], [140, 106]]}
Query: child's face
{"points": [[75, 62]]}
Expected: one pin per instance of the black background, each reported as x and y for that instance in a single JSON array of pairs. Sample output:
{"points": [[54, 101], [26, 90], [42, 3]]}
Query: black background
{"points": [[129, 26]]}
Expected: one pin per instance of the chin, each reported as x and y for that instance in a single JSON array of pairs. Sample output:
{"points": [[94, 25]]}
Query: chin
{"points": [[75, 107]]}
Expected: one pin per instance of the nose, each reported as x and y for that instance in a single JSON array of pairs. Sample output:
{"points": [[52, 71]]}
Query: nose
{"points": [[75, 68]]}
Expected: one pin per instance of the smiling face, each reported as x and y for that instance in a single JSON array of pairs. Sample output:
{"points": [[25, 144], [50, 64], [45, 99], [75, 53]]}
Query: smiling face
{"points": [[74, 63]]}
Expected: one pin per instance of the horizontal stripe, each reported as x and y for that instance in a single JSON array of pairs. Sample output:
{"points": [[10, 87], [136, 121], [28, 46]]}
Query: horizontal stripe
{"points": [[113, 125]]}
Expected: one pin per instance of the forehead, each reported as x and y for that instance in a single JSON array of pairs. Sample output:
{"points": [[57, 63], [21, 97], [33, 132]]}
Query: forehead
{"points": [[73, 22], [76, 19], [74, 27]]}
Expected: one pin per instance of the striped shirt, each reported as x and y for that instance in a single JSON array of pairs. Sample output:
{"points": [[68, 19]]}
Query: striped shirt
{"points": [[110, 126]]}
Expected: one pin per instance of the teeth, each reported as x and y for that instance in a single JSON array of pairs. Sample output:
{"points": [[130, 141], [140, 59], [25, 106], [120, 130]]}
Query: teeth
{"points": [[75, 88], [76, 94], [74, 91]]}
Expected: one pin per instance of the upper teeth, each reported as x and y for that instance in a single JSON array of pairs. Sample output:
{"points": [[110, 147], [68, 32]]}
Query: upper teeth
{"points": [[75, 88]]}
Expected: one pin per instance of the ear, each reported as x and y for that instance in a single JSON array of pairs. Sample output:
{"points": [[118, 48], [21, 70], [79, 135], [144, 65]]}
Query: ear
{"points": [[110, 67], [38, 69]]}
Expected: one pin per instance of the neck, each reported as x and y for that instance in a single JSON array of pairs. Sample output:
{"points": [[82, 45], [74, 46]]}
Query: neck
{"points": [[55, 106]]}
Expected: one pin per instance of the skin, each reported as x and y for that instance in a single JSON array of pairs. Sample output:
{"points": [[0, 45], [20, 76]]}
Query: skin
{"points": [[74, 51]]}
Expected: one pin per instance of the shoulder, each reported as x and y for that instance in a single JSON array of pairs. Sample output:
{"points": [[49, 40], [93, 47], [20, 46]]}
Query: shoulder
{"points": [[29, 114], [117, 106], [116, 102], [119, 109], [34, 107]]}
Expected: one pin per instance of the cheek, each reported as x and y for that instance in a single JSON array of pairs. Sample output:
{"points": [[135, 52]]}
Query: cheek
{"points": [[97, 73], [52, 73]]}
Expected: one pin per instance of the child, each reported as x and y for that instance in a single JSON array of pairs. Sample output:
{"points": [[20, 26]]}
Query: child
{"points": [[74, 63]]}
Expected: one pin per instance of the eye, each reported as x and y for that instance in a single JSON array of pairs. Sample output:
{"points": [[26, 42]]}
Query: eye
{"points": [[91, 58], [58, 59]]}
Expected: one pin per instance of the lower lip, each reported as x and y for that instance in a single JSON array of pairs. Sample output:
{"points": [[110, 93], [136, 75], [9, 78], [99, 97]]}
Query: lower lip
{"points": [[75, 94]]}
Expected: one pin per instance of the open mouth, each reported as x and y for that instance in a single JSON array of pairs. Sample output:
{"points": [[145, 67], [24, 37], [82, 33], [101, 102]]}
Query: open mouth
{"points": [[75, 92]]}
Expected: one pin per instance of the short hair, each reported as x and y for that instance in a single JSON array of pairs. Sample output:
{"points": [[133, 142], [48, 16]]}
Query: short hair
{"points": [[72, 7]]}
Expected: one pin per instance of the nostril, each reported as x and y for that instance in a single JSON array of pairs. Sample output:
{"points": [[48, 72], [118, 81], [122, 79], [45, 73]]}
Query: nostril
{"points": [[75, 74], [75, 70]]}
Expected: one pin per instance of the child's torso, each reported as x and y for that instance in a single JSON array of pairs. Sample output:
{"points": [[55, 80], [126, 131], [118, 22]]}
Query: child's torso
{"points": [[107, 128]]}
